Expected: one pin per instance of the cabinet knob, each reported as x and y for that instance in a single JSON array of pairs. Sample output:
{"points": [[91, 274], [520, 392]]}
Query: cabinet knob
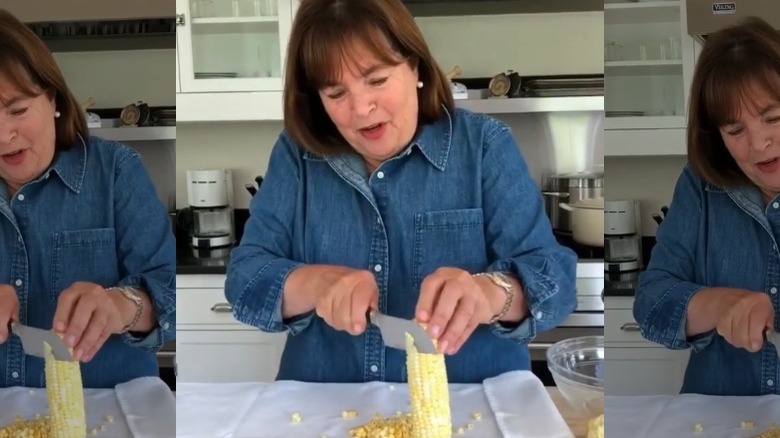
{"points": [[180, 19], [222, 308], [630, 327]]}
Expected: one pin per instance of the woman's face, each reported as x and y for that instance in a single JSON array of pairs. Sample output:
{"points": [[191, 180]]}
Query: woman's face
{"points": [[27, 135], [754, 141], [374, 106]]}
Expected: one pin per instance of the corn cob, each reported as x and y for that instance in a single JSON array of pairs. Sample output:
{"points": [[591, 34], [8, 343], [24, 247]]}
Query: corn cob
{"points": [[428, 392], [65, 394]]}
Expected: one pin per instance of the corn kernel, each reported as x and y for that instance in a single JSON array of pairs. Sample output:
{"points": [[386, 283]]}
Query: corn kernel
{"points": [[698, 428], [296, 418]]}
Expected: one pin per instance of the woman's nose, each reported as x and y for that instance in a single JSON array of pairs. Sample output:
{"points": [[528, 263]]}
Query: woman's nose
{"points": [[362, 105], [761, 139], [7, 134]]}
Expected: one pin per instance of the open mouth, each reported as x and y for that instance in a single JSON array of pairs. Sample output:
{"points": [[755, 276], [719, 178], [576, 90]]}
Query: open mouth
{"points": [[769, 166], [373, 128], [13, 154]]}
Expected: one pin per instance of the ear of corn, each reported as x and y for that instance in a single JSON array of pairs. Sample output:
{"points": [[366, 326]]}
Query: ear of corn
{"points": [[428, 393], [429, 399], [65, 394]]}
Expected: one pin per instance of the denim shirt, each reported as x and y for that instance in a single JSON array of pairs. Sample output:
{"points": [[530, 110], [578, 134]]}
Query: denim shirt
{"points": [[93, 216], [459, 196], [712, 237]]}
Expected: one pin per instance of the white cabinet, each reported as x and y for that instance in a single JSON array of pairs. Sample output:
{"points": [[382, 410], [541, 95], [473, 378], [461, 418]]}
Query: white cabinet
{"points": [[649, 62], [211, 346], [633, 365]]}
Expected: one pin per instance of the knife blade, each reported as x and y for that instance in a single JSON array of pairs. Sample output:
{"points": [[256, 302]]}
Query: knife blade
{"points": [[773, 337], [33, 339], [394, 331]]}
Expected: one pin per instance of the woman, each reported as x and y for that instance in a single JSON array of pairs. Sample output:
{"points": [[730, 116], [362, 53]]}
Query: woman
{"points": [[381, 195], [712, 281], [86, 247]]}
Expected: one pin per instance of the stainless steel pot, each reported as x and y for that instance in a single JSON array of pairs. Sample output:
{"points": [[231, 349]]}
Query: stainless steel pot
{"points": [[569, 188]]}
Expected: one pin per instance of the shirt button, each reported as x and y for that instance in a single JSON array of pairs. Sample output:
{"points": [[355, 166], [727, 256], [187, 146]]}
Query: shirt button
{"points": [[378, 220], [539, 315], [21, 197], [18, 282], [770, 382], [374, 368], [380, 175], [377, 268], [166, 325], [773, 290], [775, 205], [15, 375]]}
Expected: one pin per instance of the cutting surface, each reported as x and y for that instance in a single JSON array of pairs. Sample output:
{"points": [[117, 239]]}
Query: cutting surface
{"points": [[677, 416], [513, 405], [141, 408]]}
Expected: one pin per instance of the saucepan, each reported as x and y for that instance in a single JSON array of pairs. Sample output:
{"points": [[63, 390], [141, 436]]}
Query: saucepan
{"points": [[587, 217]]}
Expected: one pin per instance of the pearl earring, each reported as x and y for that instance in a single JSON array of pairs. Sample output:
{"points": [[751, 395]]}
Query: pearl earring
{"points": [[57, 114], [419, 84]]}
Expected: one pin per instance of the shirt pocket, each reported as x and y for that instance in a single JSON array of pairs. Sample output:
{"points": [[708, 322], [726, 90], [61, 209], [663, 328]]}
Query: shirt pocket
{"points": [[83, 255], [448, 238]]}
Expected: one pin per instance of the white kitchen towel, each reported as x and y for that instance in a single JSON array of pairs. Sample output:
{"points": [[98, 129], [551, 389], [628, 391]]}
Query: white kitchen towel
{"points": [[144, 412], [523, 408], [677, 416], [258, 410]]}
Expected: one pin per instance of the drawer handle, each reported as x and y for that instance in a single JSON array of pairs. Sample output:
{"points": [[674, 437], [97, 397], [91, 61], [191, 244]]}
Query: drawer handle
{"points": [[630, 327], [222, 308]]}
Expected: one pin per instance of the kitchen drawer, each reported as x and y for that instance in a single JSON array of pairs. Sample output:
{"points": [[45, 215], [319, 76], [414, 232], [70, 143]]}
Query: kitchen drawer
{"points": [[204, 307], [618, 303]]}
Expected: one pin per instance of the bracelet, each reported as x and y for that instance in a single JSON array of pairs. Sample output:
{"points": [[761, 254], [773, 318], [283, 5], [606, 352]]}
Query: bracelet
{"points": [[132, 295], [502, 281]]}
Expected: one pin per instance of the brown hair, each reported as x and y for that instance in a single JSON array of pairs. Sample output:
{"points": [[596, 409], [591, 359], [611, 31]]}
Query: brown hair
{"points": [[27, 63], [323, 33], [732, 62]]}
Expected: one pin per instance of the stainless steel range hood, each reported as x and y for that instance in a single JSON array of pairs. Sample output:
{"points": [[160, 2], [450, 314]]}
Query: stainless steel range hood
{"points": [[708, 16]]}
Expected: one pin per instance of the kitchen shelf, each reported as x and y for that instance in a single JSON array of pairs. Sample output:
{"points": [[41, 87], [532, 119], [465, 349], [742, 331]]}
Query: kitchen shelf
{"points": [[532, 104], [644, 142], [234, 25], [645, 122], [136, 133], [643, 67], [235, 20], [642, 12]]}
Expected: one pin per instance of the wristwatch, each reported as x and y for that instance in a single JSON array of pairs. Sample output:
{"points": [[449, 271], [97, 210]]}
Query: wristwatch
{"points": [[501, 280], [134, 296]]}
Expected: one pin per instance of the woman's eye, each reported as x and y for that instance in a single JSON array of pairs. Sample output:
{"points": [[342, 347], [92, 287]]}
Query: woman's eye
{"points": [[734, 132], [378, 81], [18, 111], [335, 95]]}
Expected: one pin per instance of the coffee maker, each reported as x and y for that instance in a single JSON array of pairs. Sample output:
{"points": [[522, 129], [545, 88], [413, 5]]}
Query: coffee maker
{"points": [[622, 239], [209, 193]]}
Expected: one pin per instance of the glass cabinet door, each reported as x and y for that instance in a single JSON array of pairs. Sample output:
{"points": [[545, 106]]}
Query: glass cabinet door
{"points": [[643, 64], [232, 45]]}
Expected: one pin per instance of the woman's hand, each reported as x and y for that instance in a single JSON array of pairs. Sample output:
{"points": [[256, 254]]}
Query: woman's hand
{"points": [[9, 309], [347, 295], [87, 315], [453, 304], [743, 318]]}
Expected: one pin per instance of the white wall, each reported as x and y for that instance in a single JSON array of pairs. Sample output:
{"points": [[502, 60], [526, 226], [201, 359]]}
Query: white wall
{"points": [[650, 180], [537, 44]]}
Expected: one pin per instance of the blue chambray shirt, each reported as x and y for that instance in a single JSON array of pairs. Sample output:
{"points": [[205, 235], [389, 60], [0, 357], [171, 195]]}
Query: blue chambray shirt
{"points": [[459, 196], [92, 216], [712, 237]]}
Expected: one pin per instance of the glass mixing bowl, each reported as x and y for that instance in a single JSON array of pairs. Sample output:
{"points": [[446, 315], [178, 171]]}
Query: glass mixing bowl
{"points": [[577, 366]]}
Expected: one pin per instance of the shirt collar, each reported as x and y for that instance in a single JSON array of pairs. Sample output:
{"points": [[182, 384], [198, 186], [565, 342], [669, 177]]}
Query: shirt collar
{"points": [[432, 139], [71, 165]]}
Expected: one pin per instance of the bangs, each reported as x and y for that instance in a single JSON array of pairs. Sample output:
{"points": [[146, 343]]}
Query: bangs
{"points": [[328, 46], [730, 87], [22, 84]]}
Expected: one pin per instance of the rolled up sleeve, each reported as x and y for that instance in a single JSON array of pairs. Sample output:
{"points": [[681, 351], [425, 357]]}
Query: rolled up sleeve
{"points": [[520, 239], [260, 265], [665, 289], [148, 263]]}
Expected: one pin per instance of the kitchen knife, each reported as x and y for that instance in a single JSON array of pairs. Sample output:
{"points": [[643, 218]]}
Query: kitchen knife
{"points": [[394, 331], [33, 339], [774, 337]]}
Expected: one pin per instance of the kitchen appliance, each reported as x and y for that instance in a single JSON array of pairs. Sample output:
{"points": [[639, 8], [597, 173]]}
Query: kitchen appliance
{"points": [[709, 16], [34, 338], [622, 240], [394, 332], [209, 193], [587, 221], [569, 188]]}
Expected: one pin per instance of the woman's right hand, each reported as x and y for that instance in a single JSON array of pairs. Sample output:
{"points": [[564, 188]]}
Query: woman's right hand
{"points": [[9, 309], [345, 297], [743, 318]]}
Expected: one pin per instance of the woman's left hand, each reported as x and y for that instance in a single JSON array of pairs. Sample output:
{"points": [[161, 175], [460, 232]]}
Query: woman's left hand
{"points": [[87, 315], [452, 304]]}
